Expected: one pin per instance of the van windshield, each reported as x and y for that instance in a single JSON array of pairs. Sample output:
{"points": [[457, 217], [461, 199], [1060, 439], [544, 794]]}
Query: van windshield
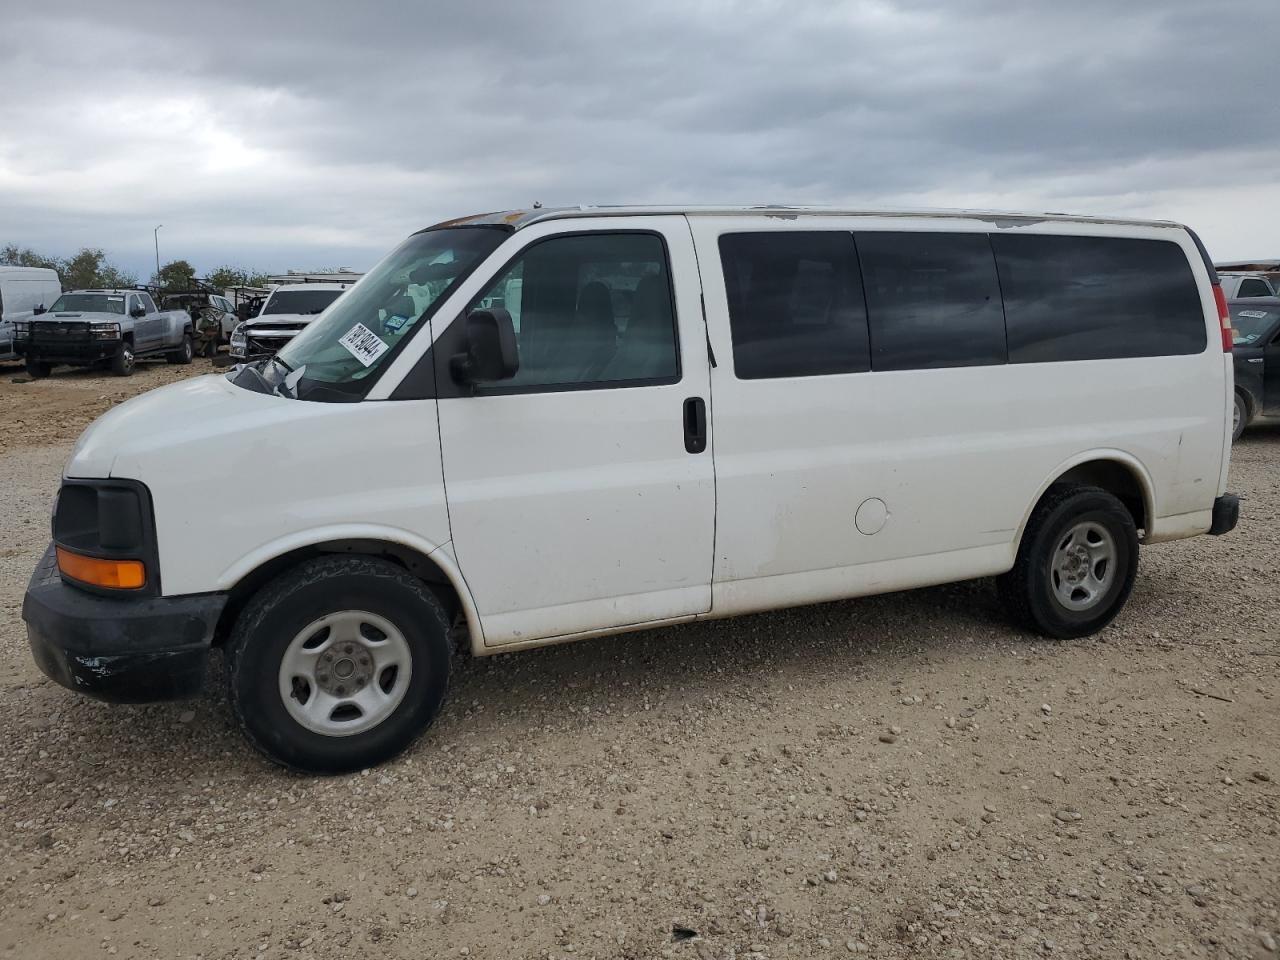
{"points": [[338, 356], [301, 301], [89, 303]]}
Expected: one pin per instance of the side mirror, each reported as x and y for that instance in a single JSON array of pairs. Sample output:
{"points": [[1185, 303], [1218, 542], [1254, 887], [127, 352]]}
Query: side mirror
{"points": [[137, 312], [492, 352], [38, 310]]}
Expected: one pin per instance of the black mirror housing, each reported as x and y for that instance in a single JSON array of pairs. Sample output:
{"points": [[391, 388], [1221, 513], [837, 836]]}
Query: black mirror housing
{"points": [[38, 310], [137, 312], [492, 352]]}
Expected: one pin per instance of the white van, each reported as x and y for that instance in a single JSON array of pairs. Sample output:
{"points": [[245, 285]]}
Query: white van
{"points": [[23, 291], [702, 413]]}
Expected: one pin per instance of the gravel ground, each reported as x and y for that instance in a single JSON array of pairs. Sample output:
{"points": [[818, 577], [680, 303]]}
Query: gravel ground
{"points": [[903, 776]]}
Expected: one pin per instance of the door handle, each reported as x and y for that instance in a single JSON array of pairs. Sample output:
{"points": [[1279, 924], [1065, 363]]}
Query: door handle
{"points": [[695, 425]]}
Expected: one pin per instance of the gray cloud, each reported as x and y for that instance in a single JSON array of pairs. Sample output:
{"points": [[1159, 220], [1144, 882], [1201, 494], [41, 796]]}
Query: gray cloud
{"points": [[318, 134]]}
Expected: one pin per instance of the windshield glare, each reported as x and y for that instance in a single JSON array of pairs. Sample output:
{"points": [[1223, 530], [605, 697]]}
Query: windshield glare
{"points": [[89, 303], [301, 301], [1249, 323], [339, 354]]}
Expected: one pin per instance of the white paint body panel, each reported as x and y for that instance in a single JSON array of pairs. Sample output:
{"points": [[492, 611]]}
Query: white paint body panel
{"points": [[289, 473], [958, 455], [581, 510], [562, 515]]}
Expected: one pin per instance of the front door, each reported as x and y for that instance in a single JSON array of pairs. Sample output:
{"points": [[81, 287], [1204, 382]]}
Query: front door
{"points": [[580, 496]]}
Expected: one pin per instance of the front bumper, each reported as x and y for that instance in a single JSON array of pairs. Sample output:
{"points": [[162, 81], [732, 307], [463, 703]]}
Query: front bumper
{"points": [[73, 351], [123, 649], [1226, 514]]}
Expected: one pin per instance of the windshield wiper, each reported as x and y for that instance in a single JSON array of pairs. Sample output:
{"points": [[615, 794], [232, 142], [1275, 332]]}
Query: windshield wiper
{"points": [[282, 387]]}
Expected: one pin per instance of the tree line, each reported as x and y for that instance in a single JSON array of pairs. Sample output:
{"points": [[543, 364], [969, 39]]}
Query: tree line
{"points": [[89, 269]]}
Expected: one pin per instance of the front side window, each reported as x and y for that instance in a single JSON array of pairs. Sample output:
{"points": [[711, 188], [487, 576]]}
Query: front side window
{"points": [[134, 305], [147, 303], [933, 300], [795, 304], [338, 356], [89, 303], [589, 310]]}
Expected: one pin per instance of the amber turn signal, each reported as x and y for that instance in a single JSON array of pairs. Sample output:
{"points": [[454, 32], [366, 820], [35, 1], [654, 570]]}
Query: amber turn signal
{"points": [[113, 574]]}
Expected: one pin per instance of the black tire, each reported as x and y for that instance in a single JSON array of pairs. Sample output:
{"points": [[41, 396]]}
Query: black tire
{"points": [[1028, 590], [284, 608], [184, 353], [123, 362], [38, 369], [1241, 415]]}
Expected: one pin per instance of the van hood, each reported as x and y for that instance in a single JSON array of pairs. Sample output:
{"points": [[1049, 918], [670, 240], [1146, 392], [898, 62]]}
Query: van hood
{"points": [[164, 422]]}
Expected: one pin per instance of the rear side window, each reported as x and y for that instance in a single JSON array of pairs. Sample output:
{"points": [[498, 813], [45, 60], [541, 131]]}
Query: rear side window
{"points": [[1093, 298], [933, 300], [795, 304], [1253, 287]]}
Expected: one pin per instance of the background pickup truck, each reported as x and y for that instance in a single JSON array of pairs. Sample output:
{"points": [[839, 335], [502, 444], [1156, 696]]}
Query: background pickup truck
{"points": [[109, 327]]}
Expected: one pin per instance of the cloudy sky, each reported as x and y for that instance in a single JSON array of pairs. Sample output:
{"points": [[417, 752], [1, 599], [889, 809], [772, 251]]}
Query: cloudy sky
{"points": [[270, 135]]}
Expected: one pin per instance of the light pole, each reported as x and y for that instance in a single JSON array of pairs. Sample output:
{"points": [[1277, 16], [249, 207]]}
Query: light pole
{"points": [[156, 234]]}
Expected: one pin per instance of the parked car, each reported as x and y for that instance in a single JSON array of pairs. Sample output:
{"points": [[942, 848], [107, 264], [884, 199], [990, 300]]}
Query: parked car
{"points": [[288, 309], [1255, 325], [802, 406], [115, 328], [1240, 285], [213, 317], [24, 292]]}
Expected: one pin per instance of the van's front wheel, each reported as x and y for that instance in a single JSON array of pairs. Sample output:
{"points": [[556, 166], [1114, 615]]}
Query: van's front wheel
{"points": [[338, 664], [1076, 563]]}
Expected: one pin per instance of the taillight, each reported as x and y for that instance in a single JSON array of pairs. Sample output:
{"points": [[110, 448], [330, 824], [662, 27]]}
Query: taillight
{"points": [[1224, 316]]}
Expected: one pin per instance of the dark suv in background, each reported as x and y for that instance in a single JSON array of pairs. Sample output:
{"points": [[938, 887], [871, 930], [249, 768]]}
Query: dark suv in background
{"points": [[1255, 326]]}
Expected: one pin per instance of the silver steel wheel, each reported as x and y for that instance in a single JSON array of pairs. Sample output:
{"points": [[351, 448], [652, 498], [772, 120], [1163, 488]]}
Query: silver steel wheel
{"points": [[1083, 566], [1237, 414], [126, 358], [345, 673]]}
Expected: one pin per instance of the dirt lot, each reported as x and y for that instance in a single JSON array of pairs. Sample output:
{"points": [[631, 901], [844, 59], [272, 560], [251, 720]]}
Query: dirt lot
{"points": [[904, 776]]}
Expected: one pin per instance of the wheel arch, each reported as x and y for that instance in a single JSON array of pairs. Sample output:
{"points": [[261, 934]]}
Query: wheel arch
{"points": [[432, 564], [1120, 474]]}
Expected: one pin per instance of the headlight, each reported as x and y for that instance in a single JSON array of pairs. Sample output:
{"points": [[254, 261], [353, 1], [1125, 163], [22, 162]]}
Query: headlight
{"points": [[21, 330], [238, 340], [104, 331], [104, 531]]}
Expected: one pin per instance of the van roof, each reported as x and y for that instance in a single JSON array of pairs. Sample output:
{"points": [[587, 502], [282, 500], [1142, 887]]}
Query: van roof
{"points": [[518, 219]]}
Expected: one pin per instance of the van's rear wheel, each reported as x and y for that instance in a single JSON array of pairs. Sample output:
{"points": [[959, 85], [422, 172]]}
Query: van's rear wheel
{"points": [[338, 664], [1076, 563]]}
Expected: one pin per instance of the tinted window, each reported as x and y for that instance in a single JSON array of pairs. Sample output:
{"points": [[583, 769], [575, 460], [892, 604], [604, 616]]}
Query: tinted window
{"points": [[933, 300], [301, 301], [1253, 287], [147, 303], [1250, 324], [795, 304], [588, 310], [1087, 298]]}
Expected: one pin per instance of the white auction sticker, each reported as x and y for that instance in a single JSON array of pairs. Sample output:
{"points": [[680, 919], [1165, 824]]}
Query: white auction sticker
{"points": [[363, 344]]}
